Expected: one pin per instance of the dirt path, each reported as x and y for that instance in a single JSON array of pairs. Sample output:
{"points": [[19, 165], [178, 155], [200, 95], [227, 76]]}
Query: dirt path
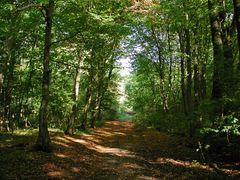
{"points": [[115, 151]]}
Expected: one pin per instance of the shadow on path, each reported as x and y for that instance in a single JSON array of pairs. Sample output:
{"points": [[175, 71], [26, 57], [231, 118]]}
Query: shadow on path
{"points": [[115, 151]]}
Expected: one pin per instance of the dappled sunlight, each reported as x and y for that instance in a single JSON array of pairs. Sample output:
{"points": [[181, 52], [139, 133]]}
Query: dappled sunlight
{"points": [[104, 133], [75, 169], [61, 143], [131, 166], [146, 177], [114, 152], [232, 172], [61, 155], [181, 163], [56, 174], [62, 139], [53, 170], [119, 133], [101, 149]]}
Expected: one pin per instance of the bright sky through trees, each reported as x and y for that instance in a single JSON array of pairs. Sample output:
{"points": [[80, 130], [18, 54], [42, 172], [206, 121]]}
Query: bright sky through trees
{"points": [[125, 71]]}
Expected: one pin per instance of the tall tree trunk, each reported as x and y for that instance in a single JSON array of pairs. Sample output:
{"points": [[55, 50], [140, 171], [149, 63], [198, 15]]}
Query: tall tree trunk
{"points": [[43, 140], [236, 4], [196, 81], [237, 18], [71, 119], [160, 66], [183, 88], [9, 68], [170, 61], [189, 72], [86, 107], [218, 53]]}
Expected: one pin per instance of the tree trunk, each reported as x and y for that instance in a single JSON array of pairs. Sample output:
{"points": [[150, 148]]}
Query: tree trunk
{"points": [[218, 53], [183, 88], [86, 107], [43, 140], [9, 67], [160, 66], [71, 119], [170, 61], [189, 72], [237, 18]]}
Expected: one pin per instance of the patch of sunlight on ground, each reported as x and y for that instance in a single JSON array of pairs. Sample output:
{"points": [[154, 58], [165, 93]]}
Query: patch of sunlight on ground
{"points": [[119, 133], [75, 169], [53, 170], [56, 173], [146, 177], [181, 163], [132, 166], [60, 138], [60, 143], [25, 132], [61, 155], [101, 149], [104, 133]]}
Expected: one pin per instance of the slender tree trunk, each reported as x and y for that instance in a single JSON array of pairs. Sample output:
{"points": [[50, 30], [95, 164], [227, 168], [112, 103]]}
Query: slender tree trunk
{"points": [[43, 140], [237, 18], [170, 61], [183, 88], [71, 119], [86, 107], [1, 84], [196, 82], [8, 80], [189, 72]]}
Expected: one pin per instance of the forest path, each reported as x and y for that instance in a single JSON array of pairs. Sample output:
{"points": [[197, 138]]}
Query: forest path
{"points": [[117, 150]]}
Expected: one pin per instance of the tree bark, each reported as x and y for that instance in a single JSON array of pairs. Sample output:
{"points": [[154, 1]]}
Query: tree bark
{"points": [[237, 18], [160, 66], [86, 107], [218, 53], [183, 88], [189, 72], [43, 140], [71, 119], [236, 4]]}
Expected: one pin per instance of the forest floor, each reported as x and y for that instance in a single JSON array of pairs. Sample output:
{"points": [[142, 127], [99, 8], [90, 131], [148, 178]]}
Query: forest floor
{"points": [[117, 150]]}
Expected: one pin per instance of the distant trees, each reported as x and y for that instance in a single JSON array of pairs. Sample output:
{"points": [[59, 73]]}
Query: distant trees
{"points": [[194, 46]]}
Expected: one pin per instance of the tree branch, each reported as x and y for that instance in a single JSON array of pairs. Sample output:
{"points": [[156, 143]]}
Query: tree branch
{"points": [[68, 38]]}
